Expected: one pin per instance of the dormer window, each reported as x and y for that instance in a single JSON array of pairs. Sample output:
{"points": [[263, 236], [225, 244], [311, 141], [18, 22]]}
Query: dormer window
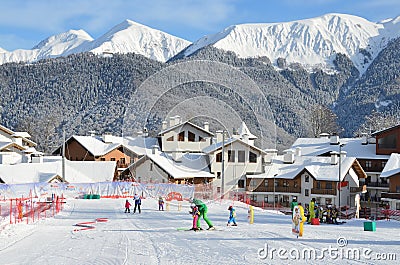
{"points": [[191, 137], [252, 157], [181, 136], [170, 139]]}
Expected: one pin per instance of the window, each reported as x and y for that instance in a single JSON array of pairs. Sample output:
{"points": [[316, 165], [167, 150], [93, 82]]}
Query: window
{"points": [[170, 139], [252, 157], [253, 197], [306, 192], [112, 159], [151, 166], [241, 156], [218, 175], [295, 184], [191, 137], [101, 159], [387, 142], [122, 160], [266, 182], [218, 189], [181, 136], [318, 184], [266, 199], [285, 183], [328, 185], [241, 183], [218, 157], [201, 139], [253, 184], [307, 178], [231, 156], [383, 164], [368, 164]]}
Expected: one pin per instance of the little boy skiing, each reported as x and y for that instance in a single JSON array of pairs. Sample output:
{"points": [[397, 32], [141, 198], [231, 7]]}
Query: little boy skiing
{"points": [[160, 204], [232, 216], [127, 206]]}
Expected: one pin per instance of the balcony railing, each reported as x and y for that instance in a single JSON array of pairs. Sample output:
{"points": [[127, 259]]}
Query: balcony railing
{"points": [[323, 191], [378, 184], [390, 195], [355, 189], [277, 189]]}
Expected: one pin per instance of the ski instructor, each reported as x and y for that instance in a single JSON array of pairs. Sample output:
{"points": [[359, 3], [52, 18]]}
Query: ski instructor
{"points": [[203, 213]]}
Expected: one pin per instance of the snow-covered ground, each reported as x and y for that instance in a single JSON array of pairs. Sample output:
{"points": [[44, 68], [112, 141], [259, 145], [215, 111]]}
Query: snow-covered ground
{"points": [[152, 238]]}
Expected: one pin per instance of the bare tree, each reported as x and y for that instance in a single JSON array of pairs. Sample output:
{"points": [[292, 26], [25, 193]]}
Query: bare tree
{"points": [[323, 120]]}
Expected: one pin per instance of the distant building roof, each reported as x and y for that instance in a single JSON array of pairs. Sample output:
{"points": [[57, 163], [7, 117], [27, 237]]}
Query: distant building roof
{"points": [[354, 147], [75, 171], [392, 166]]}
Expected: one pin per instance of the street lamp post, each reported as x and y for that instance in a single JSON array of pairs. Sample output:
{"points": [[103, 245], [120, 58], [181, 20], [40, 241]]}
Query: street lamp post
{"points": [[223, 166], [340, 179], [274, 190]]}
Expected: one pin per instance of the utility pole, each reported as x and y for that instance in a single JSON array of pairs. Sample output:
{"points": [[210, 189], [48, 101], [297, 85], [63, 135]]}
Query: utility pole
{"points": [[63, 157], [223, 166]]}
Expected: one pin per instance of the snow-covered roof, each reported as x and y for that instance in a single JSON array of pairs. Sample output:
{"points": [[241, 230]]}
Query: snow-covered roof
{"points": [[75, 171], [21, 134], [319, 167], [184, 123], [97, 147], [216, 146], [392, 166], [243, 130], [385, 130], [352, 146], [190, 165]]}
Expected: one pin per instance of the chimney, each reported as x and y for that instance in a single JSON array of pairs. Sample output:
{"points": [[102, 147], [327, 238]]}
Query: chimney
{"points": [[334, 139], [298, 151], [288, 157], [343, 155], [334, 158], [107, 138], [364, 139], [245, 138], [154, 149], [206, 126], [171, 121], [178, 120], [324, 135], [271, 154], [219, 136], [164, 125]]}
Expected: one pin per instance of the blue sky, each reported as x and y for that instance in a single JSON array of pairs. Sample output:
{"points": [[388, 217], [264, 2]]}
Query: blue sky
{"points": [[24, 23]]}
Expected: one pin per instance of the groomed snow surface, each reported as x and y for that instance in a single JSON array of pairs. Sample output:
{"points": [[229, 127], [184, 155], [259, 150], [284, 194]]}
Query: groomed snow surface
{"points": [[152, 238]]}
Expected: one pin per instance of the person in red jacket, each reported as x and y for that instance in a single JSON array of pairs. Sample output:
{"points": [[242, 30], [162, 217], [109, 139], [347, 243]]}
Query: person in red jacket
{"points": [[127, 206]]}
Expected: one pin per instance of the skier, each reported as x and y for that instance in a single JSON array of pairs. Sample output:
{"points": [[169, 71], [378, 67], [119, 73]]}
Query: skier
{"points": [[127, 206], [232, 215], [302, 219], [293, 203], [203, 213], [138, 202], [160, 204], [311, 210], [195, 214], [296, 220]]}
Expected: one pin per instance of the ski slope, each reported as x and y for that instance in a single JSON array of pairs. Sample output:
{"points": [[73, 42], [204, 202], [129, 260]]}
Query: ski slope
{"points": [[152, 237]]}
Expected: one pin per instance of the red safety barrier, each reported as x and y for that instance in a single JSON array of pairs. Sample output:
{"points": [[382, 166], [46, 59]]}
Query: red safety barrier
{"points": [[89, 225]]}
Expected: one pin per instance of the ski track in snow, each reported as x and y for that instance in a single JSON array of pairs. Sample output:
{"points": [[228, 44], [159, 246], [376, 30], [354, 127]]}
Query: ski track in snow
{"points": [[152, 237]]}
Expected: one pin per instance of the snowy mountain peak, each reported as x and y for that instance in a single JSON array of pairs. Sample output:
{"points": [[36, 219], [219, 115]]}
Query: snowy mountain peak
{"points": [[130, 36], [2, 50], [126, 37], [312, 42]]}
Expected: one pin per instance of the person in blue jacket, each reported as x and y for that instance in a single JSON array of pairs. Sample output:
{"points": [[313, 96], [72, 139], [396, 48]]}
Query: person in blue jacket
{"points": [[232, 216]]}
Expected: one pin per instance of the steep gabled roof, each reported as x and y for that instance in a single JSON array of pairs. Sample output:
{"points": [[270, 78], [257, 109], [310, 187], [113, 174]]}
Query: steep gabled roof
{"points": [[184, 123], [190, 166], [215, 147]]}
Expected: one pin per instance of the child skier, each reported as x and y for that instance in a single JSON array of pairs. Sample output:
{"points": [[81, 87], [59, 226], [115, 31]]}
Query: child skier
{"points": [[195, 214], [127, 206], [232, 215], [160, 204]]}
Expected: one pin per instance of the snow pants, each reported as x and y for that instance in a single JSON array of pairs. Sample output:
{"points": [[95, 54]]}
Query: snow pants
{"points": [[204, 215]]}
